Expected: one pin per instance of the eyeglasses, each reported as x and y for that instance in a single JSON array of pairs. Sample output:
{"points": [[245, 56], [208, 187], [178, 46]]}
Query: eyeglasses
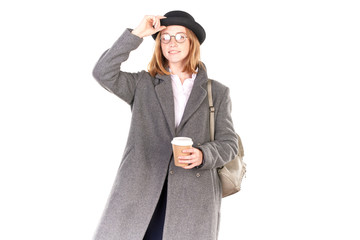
{"points": [[179, 37]]}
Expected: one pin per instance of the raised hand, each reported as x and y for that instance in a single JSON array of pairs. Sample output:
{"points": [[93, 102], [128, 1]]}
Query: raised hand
{"points": [[149, 25]]}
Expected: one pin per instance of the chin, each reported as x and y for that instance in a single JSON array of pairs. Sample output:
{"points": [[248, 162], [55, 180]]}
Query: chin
{"points": [[175, 60]]}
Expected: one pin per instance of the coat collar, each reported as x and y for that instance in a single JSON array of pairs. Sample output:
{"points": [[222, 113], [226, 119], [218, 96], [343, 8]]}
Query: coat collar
{"points": [[166, 98]]}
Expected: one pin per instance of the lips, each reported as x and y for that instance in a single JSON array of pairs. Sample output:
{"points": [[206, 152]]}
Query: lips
{"points": [[173, 52]]}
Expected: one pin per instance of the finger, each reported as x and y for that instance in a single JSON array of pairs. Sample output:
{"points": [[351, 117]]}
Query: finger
{"points": [[190, 150], [154, 21], [149, 18], [188, 157], [191, 161], [158, 23], [159, 29], [160, 17], [162, 28], [191, 166]]}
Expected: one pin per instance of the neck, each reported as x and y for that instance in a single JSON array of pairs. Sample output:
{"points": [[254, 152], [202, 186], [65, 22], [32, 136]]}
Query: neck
{"points": [[177, 69]]}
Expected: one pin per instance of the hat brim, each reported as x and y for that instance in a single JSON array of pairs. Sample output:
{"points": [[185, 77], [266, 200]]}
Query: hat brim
{"points": [[192, 25]]}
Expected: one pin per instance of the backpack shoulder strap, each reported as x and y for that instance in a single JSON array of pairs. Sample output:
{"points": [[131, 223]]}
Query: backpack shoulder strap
{"points": [[212, 111]]}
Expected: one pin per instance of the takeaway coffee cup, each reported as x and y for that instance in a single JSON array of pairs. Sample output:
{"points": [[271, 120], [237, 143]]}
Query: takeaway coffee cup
{"points": [[179, 144]]}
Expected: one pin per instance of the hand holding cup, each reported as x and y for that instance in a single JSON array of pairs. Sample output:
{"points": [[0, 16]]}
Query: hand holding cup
{"points": [[185, 155], [193, 160]]}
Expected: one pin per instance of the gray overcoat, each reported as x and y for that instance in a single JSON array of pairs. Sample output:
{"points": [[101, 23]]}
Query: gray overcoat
{"points": [[193, 196]]}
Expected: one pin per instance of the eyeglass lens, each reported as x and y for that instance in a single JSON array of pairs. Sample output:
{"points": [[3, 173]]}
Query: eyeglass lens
{"points": [[179, 37]]}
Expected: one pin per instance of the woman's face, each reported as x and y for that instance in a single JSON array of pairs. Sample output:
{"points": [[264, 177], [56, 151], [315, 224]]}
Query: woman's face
{"points": [[173, 51]]}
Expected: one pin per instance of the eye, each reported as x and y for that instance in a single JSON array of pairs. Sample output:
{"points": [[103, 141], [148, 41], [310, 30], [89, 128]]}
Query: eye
{"points": [[165, 37], [180, 37]]}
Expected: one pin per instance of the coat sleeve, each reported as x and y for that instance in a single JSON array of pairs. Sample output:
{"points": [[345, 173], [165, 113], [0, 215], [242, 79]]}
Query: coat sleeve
{"points": [[225, 146], [107, 70]]}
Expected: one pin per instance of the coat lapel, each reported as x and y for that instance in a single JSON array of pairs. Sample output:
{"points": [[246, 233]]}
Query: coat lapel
{"points": [[197, 96], [166, 99]]}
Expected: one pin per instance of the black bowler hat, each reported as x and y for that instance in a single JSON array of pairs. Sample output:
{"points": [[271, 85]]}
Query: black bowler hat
{"points": [[183, 19]]}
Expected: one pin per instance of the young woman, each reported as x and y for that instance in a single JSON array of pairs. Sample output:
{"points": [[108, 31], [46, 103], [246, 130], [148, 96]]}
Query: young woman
{"points": [[151, 197]]}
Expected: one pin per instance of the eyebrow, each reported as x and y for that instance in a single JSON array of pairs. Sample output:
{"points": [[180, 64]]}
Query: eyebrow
{"points": [[175, 33]]}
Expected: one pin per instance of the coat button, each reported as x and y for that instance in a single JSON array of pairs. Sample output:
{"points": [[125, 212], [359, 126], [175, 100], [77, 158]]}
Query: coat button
{"points": [[171, 172], [198, 175]]}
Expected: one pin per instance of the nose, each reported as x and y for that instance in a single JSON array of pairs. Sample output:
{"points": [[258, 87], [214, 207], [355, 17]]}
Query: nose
{"points": [[173, 42]]}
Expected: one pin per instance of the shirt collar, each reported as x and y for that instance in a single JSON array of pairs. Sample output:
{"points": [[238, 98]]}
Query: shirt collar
{"points": [[192, 79]]}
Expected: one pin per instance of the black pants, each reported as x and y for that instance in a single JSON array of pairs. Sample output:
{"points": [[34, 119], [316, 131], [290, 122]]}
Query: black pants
{"points": [[156, 225]]}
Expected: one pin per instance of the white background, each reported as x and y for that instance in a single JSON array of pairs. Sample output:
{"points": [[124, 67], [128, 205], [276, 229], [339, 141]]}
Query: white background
{"points": [[293, 70]]}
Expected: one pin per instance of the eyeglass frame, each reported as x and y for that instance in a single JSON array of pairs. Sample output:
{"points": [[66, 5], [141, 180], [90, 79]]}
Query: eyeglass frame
{"points": [[174, 37]]}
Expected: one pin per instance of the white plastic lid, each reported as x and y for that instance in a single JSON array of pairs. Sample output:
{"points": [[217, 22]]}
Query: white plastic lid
{"points": [[182, 141]]}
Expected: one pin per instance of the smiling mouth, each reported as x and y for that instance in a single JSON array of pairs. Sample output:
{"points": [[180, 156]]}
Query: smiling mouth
{"points": [[173, 52]]}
